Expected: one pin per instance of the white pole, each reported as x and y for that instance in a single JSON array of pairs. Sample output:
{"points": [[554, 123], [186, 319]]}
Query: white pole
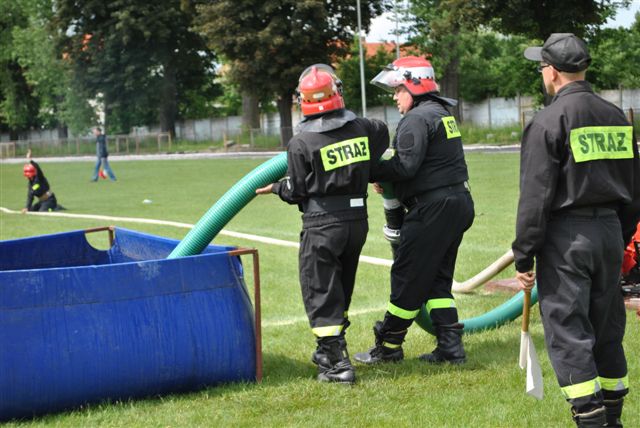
{"points": [[362, 88], [395, 12]]}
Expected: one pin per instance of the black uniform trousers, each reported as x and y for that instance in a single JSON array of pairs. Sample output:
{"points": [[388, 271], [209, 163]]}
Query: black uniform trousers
{"points": [[582, 308], [328, 261], [426, 257], [49, 205]]}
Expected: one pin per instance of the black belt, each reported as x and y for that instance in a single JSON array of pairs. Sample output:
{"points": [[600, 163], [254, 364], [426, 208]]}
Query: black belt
{"points": [[334, 203], [435, 194], [601, 211]]}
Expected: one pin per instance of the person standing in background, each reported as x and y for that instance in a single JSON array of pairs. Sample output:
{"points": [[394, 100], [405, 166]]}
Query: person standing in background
{"points": [[102, 156]]}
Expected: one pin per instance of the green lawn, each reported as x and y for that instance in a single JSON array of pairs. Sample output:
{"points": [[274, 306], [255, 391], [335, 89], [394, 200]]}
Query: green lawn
{"points": [[486, 392]]}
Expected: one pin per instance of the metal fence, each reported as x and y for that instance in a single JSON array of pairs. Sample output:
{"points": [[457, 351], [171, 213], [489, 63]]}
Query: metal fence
{"points": [[76, 146]]}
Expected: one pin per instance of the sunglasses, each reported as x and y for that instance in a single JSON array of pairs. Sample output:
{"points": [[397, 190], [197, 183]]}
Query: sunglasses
{"points": [[541, 66]]}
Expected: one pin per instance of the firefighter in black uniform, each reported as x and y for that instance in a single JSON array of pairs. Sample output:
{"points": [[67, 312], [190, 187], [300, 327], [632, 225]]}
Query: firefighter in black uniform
{"points": [[329, 164], [429, 176], [579, 185], [38, 186]]}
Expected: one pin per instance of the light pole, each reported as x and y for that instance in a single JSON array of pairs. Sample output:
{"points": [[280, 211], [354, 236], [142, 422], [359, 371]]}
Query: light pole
{"points": [[362, 88]]}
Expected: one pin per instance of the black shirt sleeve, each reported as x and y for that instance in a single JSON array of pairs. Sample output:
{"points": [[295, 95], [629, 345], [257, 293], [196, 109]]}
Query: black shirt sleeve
{"points": [[412, 139], [539, 170], [292, 188]]}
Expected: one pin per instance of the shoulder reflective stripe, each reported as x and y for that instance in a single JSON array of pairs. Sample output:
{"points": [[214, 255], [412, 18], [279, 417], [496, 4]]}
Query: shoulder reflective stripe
{"points": [[451, 127], [345, 153], [330, 330], [402, 313], [601, 142], [440, 304], [581, 389], [614, 384], [36, 186]]}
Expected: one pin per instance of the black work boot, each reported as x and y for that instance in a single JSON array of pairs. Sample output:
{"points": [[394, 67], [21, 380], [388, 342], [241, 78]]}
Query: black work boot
{"points": [[594, 418], [320, 358], [449, 348], [614, 412], [339, 368], [388, 347]]}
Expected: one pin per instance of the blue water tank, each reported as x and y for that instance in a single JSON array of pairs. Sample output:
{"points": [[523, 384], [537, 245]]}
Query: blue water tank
{"points": [[79, 325]]}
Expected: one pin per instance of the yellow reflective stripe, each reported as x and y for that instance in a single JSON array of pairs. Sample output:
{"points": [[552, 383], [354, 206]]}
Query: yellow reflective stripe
{"points": [[601, 142], [402, 313], [330, 330], [445, 303], [451, 127], [35, 186], [614, 384], [391, 345], [581, 389], [345, 153]]}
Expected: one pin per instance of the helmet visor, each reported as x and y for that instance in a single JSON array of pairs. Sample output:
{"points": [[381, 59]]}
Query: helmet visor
{"points": [[319, 67], [393, 76], [388, 79]]}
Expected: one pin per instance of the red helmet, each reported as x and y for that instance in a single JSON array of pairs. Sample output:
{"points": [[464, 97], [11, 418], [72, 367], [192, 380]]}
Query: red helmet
{"points": [[319, 90], [413, 72], [29, 170]]}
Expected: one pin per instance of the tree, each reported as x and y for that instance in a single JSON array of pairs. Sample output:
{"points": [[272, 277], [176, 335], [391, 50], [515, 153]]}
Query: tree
{"points": [[268, 43], [439, 27], [442, 25], [139, 58], [60, 104], [348, 69], [18, 104], [539, 18], [616, 57]]}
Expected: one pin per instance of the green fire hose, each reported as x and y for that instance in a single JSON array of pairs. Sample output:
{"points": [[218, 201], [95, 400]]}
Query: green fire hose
{"points": [[272, 170]]}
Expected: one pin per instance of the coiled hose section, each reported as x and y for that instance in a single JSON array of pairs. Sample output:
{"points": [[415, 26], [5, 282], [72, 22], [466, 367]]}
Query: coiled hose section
{"points": [[271, 171]]}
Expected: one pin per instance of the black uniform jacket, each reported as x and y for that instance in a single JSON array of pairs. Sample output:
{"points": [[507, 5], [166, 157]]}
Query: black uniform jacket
{"points": [[579, 151], [332, 163], [428, 152], [37, 186]]}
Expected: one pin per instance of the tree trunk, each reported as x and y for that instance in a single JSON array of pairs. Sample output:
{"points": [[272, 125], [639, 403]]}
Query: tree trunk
{"points": [[284, 108], [168, 107], [450, 85], [250, 112], [63, 131]]}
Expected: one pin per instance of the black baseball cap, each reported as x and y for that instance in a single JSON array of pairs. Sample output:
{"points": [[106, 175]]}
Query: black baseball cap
{"points": [[564, 51]]}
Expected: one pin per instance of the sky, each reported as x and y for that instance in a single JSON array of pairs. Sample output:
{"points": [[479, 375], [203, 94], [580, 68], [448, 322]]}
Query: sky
{"points": [[383, 26]]}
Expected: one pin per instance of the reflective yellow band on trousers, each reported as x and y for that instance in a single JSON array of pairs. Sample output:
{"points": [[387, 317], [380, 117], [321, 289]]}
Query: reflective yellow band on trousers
{"points": [[581, 389], [402, 313], [330, 330], [614, 384], [391, 345], [445, 303], [345, 153], [601, 142]]}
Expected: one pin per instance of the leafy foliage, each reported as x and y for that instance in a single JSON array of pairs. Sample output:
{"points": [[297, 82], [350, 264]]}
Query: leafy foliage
{"points": [[616, 57], [348, 70], [140, 57], [269, 43]]}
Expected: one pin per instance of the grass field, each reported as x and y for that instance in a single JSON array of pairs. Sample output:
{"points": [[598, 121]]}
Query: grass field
{"points": [[486, 392]]}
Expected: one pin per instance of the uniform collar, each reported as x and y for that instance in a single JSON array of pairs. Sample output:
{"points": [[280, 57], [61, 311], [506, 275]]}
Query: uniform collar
{"points": [[326, 122], [572, 88]]}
